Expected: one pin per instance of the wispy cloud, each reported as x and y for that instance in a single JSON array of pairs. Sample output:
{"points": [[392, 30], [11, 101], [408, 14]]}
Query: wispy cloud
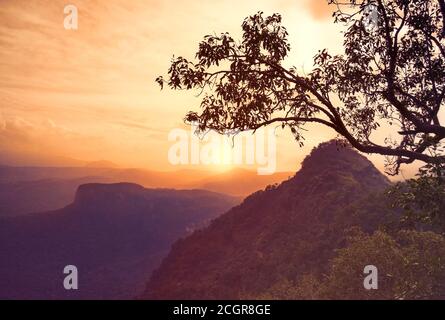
{"points": [[91, 92]]}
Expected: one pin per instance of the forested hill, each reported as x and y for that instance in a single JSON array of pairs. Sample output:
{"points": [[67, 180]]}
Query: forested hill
{"points": [[281, 233]]}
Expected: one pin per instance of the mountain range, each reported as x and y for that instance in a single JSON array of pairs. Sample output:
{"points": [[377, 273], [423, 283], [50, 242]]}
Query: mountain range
{"points": [[35, 189], [115, 234], [281, 233], [308, 237]]}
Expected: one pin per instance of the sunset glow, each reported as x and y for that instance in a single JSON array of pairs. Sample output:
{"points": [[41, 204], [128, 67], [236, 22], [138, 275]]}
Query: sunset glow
{"points": [[89, 94]]}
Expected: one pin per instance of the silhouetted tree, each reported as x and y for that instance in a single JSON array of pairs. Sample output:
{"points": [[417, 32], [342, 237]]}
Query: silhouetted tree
{"points": [[392, 74]]}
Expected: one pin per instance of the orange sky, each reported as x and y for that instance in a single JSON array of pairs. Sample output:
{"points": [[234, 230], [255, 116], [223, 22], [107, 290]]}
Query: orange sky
{"points": [[90, 94]]}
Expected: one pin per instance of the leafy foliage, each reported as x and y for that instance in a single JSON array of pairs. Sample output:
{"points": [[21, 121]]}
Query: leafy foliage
{"points": [[410, 266], [393, 75], [422, 199]]}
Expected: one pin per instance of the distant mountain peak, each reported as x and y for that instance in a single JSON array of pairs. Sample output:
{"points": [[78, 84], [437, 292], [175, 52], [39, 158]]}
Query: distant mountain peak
{"points": [[110, 186], [116, 233], [101, 164], [335, 158], [91, 193], [334, 151]]}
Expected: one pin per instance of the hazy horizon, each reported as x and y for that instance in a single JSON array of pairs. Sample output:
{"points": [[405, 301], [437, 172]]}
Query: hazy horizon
{"points": [[89, 94]]}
